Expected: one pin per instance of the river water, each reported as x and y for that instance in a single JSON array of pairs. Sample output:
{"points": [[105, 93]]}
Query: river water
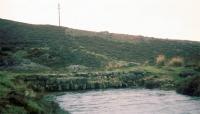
{"points": [[128, 101]]}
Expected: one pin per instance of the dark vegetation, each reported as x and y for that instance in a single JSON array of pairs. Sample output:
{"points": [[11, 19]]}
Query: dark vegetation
{"points": [[38, 59], [190, 86]]}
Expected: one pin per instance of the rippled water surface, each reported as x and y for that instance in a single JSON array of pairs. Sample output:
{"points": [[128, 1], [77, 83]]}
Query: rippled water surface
{"points": [[129, 101]]}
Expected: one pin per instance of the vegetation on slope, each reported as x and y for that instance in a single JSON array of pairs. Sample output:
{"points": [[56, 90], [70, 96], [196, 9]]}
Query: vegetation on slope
{"points": [[45, 47], [17, 98]]}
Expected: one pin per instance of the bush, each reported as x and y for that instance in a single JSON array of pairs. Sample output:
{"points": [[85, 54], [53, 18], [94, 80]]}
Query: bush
{"points": [[160, 60], [176, 61], [190, 86]]}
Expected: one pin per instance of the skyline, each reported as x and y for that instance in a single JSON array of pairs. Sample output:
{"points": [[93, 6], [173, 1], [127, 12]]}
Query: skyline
{"points": [[172, 19]]}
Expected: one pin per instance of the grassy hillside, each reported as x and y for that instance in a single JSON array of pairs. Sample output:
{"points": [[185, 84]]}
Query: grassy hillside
{"points": [[26, 46]]}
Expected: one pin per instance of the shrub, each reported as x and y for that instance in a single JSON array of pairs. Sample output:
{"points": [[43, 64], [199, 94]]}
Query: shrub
{"points": [[160, 60], [190, 86], [176, 61]]}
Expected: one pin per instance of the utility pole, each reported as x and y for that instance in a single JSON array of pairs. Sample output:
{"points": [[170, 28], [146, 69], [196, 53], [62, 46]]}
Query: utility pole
{"points": [[59, 13]]}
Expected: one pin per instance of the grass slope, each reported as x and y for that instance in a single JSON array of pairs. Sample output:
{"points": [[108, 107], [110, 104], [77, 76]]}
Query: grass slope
{"points": [[17, 98], [46, 47]]}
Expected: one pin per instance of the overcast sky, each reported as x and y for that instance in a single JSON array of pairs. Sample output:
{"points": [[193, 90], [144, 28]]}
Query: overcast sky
{"points": [[176, 19]]}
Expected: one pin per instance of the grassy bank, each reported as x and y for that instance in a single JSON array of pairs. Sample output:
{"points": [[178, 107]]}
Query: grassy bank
{"points": [[17, 98]]}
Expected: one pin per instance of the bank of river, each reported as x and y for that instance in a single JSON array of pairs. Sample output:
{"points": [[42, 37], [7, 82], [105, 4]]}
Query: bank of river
{"points": [[128, 101]]}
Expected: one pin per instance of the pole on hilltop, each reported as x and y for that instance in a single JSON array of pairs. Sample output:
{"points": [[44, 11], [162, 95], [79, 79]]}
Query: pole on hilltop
{"points": [[59, 14]]}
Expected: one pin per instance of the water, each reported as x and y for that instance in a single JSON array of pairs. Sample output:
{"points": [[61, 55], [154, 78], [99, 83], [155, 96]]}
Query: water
{"points": [[128, 101]]}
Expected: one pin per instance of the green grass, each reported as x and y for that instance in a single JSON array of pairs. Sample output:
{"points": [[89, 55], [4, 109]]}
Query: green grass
{"points": [[12, 109], [45, 47], [5, 84], [24, 99]]}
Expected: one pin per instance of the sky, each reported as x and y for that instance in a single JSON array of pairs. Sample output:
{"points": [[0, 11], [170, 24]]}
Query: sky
{"points": [[172, 19]]}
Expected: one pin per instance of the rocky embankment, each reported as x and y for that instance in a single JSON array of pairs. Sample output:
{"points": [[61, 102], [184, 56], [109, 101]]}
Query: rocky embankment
{"points": [[95, 80]]}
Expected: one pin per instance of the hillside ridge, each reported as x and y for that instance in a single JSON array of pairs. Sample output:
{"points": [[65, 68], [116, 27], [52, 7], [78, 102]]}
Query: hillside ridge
{"points": [[46, 46]]}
